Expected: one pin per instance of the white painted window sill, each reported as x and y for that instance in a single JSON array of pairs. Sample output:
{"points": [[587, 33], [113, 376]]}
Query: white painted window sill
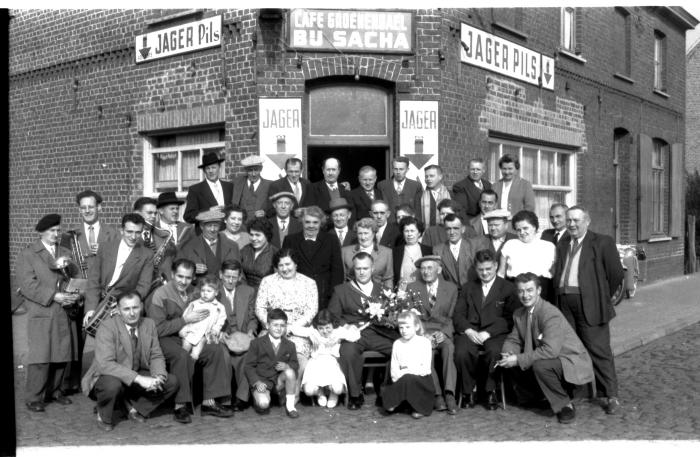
{"points": [[659, 239], [572, 56]]}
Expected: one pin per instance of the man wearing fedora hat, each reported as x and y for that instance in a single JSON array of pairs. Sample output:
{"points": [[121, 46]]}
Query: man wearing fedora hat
{"points": [[208, 250], [210, 192], [250, 192], [168, 207], [282, 222], [439, 298], [341, 215], [52, 334]]}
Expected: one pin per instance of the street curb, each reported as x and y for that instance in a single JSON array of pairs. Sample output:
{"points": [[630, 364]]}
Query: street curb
{"points": [[637, 341]]}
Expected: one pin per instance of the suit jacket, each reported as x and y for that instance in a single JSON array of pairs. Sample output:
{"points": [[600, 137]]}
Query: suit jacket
{"points": [[282, 185], [136, 273], [391, 235], [198, 251], [436, 234], [165, 307], [410, 194], [521, 196], [467, 195], [261, 195], [554, 338], [260, 360], [439, 318], [457, 272], [322, 198], [294, 226], [599, 274], [493, 313], [321, 262], [362, 202], [350, 237], [383, 265], [548, 235], [114, 353], [107, 233], [347, 306], [200, 198], [485, 242], [477, 226], [185, 232], [52, 336], [398, 253], [240, 315]]}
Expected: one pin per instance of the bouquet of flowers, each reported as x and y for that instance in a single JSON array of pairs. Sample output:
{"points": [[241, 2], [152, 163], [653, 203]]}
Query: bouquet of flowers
{"points": [[385, 309]]}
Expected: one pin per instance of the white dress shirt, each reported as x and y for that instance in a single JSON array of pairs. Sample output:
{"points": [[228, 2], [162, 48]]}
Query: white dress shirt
{"points": [[122, 254], [217, 190], [95, 228], [486, 286], [503, 200], [454, 248]]}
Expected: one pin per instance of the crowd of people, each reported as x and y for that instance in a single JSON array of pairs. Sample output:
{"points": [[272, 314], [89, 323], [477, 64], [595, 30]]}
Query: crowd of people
{"points": [[271, 287]]}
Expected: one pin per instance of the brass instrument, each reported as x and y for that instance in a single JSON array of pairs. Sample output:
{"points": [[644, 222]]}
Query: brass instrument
{"points": [[68, 285], [106, 308], [77, 251], [158, 256]]}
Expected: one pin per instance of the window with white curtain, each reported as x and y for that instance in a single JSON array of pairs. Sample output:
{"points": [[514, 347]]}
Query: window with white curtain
{"points": [[659, 61], [549, 170], [659, 159], [568, 28]]}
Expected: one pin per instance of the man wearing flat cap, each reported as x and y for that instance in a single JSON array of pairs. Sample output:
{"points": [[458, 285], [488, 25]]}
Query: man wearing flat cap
{"points": [[210, 249], [42, 271], [438, 298], [176, 233], [250, 192], [282, 222], [341, 215], [210, 192]]}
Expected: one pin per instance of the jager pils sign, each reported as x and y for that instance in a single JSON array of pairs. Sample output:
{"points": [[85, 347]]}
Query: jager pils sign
{"points": [[179, 39]]}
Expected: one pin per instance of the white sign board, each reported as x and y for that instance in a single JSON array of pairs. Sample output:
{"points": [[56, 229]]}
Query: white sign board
{"points": [[499, 55], [418, 135], [279, 134], [179, 39]]}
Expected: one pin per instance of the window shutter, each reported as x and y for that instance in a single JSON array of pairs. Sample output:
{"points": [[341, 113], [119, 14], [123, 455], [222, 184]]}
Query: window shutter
{"points": [[676, 195], [644, 220]]}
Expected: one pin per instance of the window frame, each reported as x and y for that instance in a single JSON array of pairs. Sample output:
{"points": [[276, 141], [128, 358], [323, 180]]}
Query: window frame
{"points": [[660, 61], [572, 48], [659, 175]]}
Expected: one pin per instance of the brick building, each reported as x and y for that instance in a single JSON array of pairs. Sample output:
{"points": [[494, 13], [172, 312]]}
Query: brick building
{"points": [[592, 100]]}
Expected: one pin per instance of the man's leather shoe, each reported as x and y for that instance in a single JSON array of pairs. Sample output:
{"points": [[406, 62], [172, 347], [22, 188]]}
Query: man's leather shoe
{"points": [[182, 415], [105, 426], [293, 414], [492, 401], [240, 405], [613, 406], [138, 417], [36, 406], [217, 410], [469, 400], [62, 400], [451, 404], [566, 415], [355, 403], [439, 403]]}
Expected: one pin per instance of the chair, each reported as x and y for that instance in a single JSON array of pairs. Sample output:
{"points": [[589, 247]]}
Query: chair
{"points": [[371, 361], [500, 380]]}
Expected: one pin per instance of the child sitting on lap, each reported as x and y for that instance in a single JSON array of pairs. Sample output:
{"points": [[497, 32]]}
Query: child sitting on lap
{"points": [[411, 357], [271, 363], [196, 334]]}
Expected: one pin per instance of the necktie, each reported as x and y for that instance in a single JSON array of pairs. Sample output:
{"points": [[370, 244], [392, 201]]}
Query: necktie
{"points": [[212, 245], [52, 251], [183, 296], [370, 194], [399, 187], [283, 232], [432, 298], [297, 192], [134, 348], [432, 217], [341, 236], [528, 333], [478, 184], [252, 188], [91, 236], [284, 226], [572, 252], [556, 237]]}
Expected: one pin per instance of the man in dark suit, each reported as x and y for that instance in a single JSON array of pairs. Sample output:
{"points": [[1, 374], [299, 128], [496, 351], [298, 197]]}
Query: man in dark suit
{"points": [[282, 222], [439, 298], [488, 200], [239, 300], [365, 193], [347, 306], [294, 183], [210, 192], [251, 191], [329, 188], [167, 309], [514, 193], [468, 191], [498, 222], [587, 273], [341, 216], [436, 234], [557, 217], [457, 254], [176, 233], [399, 190], [387, 232], [129, 365], [208, 250], [318, 253], [542, 352], [483, 318]]}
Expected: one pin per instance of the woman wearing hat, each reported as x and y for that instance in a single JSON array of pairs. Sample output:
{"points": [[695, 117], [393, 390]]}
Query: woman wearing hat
{"points": [[210, 192], [256, 257], [42, 269], [366, 230], [235, 215]]}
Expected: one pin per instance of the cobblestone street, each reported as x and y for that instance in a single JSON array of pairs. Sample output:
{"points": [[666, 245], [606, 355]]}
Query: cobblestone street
{"points": [[658, 392]]}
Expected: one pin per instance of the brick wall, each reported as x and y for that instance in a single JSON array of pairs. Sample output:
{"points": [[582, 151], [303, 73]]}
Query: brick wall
{"points": [[692, 113]]}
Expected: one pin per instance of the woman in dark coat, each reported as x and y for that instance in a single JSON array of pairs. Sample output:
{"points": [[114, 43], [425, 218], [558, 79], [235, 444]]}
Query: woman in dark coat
{"points": [[256, 257]]}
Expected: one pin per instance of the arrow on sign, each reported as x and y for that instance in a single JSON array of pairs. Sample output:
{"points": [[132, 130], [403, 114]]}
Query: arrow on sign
{"points": [[547, 75], [279, 159], [419, 160], [145, 50]]}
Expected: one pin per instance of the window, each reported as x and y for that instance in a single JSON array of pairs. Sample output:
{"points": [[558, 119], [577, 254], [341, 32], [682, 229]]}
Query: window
{"points": [[623, 51], [568, 29], [659, 159], [659, 61], [171, 161], [549, 170]]}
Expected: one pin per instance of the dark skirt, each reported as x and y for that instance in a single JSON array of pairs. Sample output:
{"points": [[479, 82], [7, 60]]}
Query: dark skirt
{"points": [[418, 391]]}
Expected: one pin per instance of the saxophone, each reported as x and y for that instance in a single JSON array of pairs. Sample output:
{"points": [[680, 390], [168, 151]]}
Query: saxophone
{"points": [[158, 256]]}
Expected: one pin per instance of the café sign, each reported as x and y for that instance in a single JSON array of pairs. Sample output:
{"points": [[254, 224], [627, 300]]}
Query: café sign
{"points": [[494, 53], [179, 39], [351, 30]]}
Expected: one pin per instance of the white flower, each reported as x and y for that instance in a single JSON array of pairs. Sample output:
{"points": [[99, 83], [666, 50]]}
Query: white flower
{"points": [[375, 309]]}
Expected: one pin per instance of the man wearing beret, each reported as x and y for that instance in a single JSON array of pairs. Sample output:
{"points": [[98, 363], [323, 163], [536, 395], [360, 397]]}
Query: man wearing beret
{"points": [[283, 223], [210, 249], [210, 192], [250, 192], [41, 271]]}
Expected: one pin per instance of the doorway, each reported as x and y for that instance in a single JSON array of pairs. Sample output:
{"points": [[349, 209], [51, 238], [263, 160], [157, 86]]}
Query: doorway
{"points": [[351, 158]]}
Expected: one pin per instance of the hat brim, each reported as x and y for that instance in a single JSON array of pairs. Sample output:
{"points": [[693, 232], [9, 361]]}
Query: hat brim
{"points": [[210, 163], [170, 202], [347, 207]]}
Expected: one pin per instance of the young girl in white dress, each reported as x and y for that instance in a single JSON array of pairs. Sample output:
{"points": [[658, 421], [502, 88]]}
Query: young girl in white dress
{"points": [[323, 377]]}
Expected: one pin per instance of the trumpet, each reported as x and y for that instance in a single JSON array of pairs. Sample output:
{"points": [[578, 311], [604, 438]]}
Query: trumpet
{"points": [[106, 308], [78, 253]]}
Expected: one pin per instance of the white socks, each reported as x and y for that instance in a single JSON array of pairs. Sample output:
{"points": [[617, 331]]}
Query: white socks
{"points": [[290, 402]]}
